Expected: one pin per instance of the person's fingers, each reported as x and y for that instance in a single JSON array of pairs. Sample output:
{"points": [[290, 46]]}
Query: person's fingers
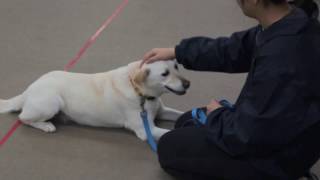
{"points": [[143, 62], [148, 55], [157, 54], [150, 60], [153, 59]]}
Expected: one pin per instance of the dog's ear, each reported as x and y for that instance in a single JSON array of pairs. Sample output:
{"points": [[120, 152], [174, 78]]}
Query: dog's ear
{"points": [[141, 76]]}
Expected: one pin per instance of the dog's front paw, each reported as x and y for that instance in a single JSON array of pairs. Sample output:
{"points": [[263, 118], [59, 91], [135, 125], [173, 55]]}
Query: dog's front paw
{"points": [[159, 132], [141, 135]]}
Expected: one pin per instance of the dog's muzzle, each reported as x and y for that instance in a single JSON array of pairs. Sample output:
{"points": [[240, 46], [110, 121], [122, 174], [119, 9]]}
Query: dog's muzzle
{"points": [[185, 85]]}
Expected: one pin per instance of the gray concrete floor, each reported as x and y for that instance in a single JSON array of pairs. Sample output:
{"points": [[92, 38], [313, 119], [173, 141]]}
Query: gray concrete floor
{"points": [[37, 36]]}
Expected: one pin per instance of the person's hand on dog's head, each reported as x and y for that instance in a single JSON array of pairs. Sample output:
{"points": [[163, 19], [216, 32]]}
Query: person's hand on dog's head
{"points": [[158, 54]]}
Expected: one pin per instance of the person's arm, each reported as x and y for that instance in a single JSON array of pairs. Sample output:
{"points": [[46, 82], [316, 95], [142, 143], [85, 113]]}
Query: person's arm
{"points": [[233, 54], [268, 117]]}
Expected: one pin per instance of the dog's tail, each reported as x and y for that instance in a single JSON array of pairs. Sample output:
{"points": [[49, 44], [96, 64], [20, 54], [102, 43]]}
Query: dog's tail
{"points": [[11, 105]]}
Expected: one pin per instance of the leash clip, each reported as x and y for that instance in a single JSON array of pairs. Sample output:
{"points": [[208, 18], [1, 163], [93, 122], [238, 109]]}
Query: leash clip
{"points": [[142, 102], [143, 114]]}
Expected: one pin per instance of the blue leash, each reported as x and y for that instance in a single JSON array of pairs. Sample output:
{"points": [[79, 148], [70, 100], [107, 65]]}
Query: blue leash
{"points": [[201, 117], [151, 141], [197, 114]]}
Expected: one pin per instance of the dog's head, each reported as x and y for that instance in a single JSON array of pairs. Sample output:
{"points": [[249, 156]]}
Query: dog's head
{"points": [[160, 77]]}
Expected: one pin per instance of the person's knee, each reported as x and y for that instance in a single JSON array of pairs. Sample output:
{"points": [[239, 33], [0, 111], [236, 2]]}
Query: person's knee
{"points": [[182, 120], [186, 120], [166, 149]]}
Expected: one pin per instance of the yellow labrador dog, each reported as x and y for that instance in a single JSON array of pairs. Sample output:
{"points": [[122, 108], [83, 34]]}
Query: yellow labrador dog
{"points": [[111, 99]]}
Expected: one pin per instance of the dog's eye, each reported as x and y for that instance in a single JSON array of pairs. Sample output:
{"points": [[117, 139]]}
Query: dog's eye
{"points": [[165, 73], [176, 67]]}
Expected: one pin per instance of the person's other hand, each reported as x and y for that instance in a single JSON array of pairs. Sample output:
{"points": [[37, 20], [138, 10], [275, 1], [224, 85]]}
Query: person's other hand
{"points": [[213, 106], [159, 54]]}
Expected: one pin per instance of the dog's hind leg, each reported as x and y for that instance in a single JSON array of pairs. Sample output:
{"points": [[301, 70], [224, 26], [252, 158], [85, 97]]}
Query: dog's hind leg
{"points": [[37, 120], [44, 126], [36, 112]]}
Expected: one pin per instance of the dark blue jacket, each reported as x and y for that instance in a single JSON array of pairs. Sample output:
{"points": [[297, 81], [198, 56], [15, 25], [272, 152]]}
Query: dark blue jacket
{"points": [[281, 96]]}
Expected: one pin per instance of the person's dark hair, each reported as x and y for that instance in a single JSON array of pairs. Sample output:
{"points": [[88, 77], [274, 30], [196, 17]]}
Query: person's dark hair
{"points": [[267, 2], [309, 6]]}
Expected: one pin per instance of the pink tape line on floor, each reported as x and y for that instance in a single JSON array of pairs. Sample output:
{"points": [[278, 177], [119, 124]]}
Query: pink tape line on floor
{"points": [[73, 61]]}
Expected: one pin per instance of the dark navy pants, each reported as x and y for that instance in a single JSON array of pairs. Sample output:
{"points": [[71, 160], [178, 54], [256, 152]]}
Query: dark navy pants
{"points": [[185, 154]]}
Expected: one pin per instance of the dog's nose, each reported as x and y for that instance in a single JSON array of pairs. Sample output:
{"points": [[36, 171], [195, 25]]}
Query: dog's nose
{"points": [[186, 84]]}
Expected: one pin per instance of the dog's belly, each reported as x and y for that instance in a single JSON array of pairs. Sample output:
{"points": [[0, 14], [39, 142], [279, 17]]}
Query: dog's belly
{"points": [[97, 118], [86, 103], [94, 111]]}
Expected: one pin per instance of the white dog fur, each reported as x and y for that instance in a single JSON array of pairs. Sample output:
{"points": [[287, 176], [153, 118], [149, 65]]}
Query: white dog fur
{"points": [[108, 99]]}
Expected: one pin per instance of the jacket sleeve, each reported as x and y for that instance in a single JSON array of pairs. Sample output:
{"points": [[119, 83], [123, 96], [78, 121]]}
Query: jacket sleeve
{"points": [[232, 55], [269, 117]]}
